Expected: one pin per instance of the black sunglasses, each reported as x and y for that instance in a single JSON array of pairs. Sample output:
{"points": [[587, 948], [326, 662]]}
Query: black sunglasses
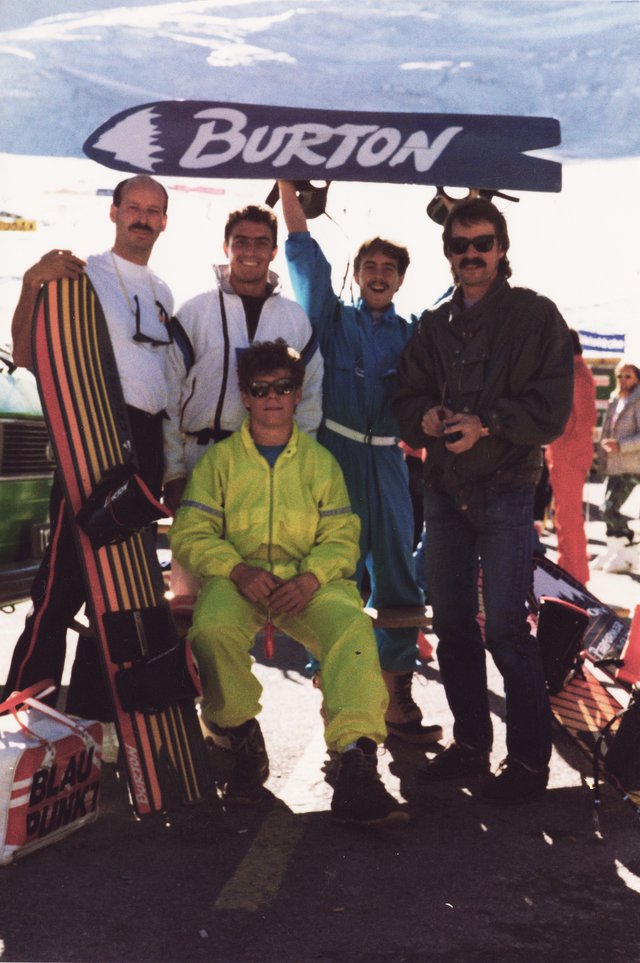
{"points": [[283, 386], [144, 338], [482, 243]]}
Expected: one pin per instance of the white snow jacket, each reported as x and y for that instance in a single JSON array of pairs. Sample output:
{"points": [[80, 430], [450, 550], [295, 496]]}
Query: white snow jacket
{"points": [[200, 357]]}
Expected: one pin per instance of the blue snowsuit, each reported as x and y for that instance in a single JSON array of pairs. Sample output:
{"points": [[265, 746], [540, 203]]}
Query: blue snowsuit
{"points": [[360, 360]]}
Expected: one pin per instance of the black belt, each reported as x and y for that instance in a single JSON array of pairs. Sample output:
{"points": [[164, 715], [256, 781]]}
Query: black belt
{"points": [[139, 413], [205, 435]]}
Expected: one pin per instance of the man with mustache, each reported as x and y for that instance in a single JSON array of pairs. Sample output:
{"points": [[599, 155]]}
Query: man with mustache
{"points": [[486, 381], [137, 305], [361, 344]]}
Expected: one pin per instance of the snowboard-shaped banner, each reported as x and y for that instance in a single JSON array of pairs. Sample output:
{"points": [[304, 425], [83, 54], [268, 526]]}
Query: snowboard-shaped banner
{"points": [[194, 138]]}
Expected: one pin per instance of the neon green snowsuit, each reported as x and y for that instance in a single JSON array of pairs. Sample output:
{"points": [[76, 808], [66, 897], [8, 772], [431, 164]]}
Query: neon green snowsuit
{"points": [[289, 519]]}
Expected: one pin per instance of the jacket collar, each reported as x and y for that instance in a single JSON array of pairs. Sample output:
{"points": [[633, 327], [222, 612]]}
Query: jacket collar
{"points": [[389, 315], [249, 443], [634, 396], [457, 298]]}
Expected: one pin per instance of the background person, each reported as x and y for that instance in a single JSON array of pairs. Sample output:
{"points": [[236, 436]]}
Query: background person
{"points": [[619, 460], [569, 459]]}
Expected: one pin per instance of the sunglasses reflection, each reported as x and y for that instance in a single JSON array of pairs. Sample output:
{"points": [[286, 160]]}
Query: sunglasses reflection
{"points": [[282, 386]]}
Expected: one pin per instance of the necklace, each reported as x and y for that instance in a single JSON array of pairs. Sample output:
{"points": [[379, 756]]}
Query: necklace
{"points": [[123, 288]]}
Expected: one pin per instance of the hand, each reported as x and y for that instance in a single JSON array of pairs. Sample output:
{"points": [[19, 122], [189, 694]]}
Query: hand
{"points": [[53, 266], [292, 597], [256, 584], [433, 421], [173, 492], [469, 426], [610, 445], [294, 216]]}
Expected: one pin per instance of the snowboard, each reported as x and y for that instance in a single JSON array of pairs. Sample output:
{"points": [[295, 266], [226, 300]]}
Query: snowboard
{"points": [[147, 668], [591, 706], [196, 138]]}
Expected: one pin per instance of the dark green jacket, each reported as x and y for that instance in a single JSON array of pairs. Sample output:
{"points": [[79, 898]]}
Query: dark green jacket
{"points": [[507, 359]]}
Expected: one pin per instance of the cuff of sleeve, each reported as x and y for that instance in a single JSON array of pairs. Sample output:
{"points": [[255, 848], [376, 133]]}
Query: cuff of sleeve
{"points": [[309, 570], [490, 423]]}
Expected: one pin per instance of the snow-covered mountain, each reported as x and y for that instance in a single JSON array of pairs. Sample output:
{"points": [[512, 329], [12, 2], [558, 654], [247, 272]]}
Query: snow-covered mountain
{"points": [[68, 65]]}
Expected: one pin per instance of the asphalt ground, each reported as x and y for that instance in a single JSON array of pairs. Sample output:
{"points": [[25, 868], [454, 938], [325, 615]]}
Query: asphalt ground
{"points": [[281, 883]]}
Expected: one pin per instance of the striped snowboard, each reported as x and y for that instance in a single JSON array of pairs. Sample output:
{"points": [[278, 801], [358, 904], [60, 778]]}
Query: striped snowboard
{"points": [[163, 751]]}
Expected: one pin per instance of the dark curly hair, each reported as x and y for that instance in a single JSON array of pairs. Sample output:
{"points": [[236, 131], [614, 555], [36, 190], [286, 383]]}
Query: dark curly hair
{"points": [[472, 210], [256, 214], [263, 357]]}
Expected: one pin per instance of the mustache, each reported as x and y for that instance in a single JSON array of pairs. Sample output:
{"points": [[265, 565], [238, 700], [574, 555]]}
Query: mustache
{"points": [[472, 262], [138, 226]]}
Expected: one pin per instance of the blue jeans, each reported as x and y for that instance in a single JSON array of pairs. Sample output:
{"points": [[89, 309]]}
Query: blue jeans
{"points": [[499, 538]]}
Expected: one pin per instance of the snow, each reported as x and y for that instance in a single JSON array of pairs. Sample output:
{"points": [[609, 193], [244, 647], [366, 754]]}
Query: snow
{"points": [[64, 74]]}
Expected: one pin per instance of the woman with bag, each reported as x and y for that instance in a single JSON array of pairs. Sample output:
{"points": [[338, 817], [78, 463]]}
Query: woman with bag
{"points": [[619, 460]]}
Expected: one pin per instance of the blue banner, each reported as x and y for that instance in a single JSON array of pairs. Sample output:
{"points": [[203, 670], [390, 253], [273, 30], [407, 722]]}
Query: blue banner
{"points": [[602, 343]]}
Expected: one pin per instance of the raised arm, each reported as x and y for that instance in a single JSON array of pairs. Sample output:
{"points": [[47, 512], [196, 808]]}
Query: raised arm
{"points": [[294, 216], [51, 267]]}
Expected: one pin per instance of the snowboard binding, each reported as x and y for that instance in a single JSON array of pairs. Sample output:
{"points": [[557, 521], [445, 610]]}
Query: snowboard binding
{"points": [[154, 683], [312, 197], [120, 505], [439, 206]]}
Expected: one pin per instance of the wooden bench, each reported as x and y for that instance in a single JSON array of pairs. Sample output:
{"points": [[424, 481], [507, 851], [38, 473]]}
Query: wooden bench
{"points": [[400, 617]]}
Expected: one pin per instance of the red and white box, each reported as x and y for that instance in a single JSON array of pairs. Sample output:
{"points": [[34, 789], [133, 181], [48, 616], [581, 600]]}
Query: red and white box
{"points": [[49, 773]]}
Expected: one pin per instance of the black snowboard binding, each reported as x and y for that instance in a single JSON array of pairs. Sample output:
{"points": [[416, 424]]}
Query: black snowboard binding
{"points": [[120, 505], [154, 683], [439, 206], [312, 197]]}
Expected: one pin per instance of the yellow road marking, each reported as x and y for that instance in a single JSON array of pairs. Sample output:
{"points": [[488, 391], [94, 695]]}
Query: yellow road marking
{"points": [[257, 880]]}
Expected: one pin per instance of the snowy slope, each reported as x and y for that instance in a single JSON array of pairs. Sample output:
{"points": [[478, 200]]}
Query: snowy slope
{"points": [[65, 67], [87, 60]]}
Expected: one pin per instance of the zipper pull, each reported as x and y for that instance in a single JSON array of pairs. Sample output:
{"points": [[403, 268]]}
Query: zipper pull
{"points": [[269, 647]]}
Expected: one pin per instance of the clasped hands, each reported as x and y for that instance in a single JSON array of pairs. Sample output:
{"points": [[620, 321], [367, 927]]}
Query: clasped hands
{"points": [[283, 596], [440, 422]]}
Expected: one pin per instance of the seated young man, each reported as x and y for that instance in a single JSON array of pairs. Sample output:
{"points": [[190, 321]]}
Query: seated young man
{"points": [[266, 523]]}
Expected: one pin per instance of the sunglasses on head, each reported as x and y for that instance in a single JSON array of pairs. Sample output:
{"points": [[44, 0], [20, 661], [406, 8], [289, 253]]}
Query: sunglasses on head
{"points": [[483, 243], [283, 386]]}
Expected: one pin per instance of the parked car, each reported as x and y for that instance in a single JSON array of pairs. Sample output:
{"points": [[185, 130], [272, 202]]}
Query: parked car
{"points": [[26, 471]]}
